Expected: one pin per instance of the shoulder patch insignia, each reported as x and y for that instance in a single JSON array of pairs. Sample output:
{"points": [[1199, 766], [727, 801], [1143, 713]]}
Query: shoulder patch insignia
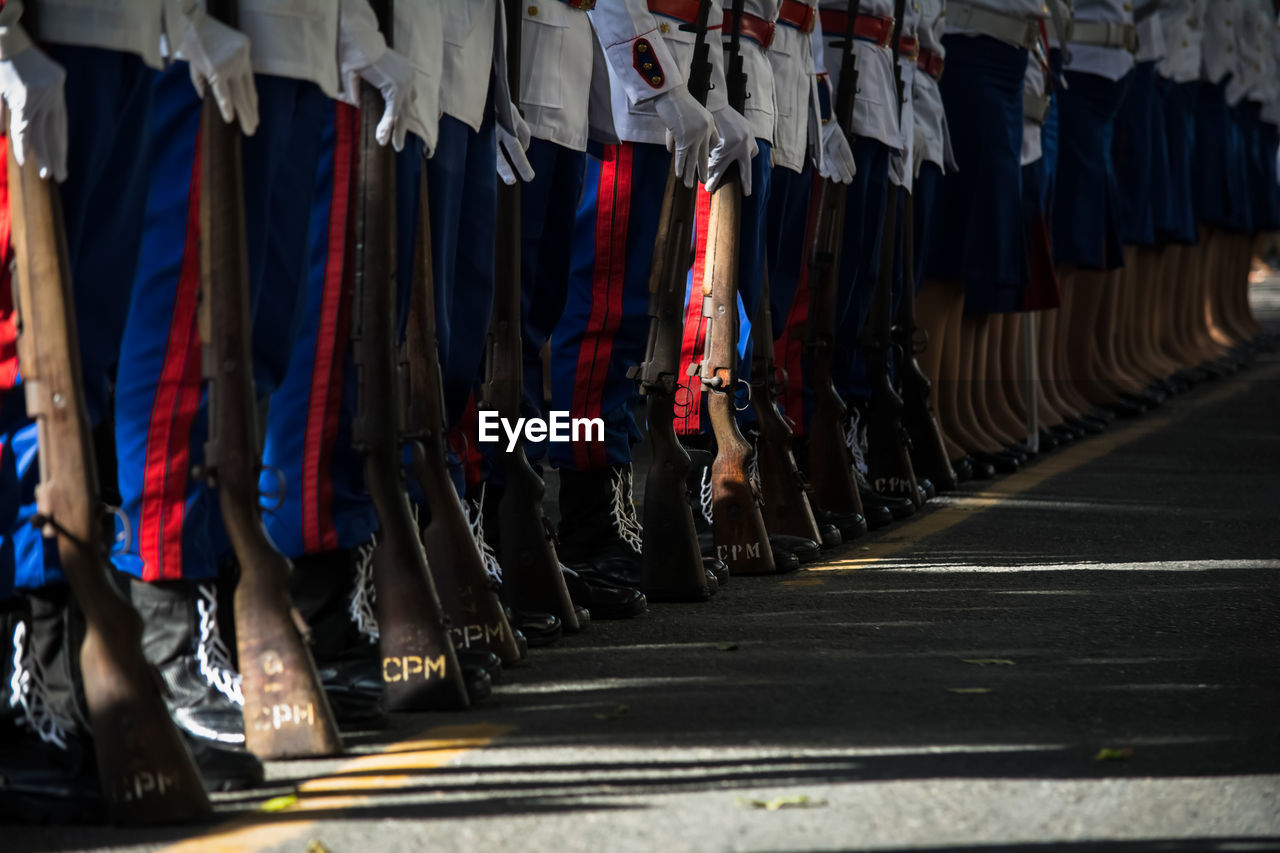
{"points": [[647, 64]]}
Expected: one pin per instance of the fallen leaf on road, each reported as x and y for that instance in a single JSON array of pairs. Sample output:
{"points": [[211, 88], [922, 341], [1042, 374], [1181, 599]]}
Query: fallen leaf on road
{"points": [[987, 661], [278, 804], [1109, 754], [798, 801], [968, 689], [726, 647], [317, 846], [614, 713]]}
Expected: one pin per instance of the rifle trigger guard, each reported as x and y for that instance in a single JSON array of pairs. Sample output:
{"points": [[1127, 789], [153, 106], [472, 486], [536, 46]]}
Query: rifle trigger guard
{"points": [[278, 495], [746, 406], [126, 531]]}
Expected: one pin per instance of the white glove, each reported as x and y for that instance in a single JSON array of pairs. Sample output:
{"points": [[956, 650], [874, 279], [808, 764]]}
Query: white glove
{"points": [[691, 131], [737, 145], [32, 85], [219, 58], [393, 76], [837, 156], [511, 152]]}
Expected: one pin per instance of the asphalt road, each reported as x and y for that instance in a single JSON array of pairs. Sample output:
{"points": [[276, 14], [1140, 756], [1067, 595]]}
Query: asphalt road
{"points": [[1085, 655]]}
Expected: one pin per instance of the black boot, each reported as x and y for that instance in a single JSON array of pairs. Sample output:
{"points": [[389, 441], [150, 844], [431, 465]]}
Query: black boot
{"points": [[600, 536], [47, 767], [348, 664], [180, 638]]}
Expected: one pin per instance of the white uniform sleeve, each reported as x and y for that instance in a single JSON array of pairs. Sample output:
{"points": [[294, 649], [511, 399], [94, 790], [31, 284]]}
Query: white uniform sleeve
{"points": [[635, 50], [360, 44]]}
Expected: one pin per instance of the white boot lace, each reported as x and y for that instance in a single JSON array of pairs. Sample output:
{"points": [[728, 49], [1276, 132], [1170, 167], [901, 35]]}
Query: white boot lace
{"points": [[475, 516], [856, 437], [211, 652], [625, 521], [27, 691], [706, 495], [362, 601]]}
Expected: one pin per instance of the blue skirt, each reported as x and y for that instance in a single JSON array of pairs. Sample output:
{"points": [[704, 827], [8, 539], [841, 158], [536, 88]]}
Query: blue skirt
{"points": [[1133, 150], [976, 234], [1218, 180], [1086, 228], [1239, 172], [1176, 205], [1261, 181]]}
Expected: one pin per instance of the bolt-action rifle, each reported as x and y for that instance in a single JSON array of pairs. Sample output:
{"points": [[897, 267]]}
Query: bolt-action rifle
{"points": [[929, 452], [830, 466], [146, 772], [420, 669], [739, 532], [476, 617], [286, 714], [888, 446], [671, 559], [784, 488], [532, 579]]}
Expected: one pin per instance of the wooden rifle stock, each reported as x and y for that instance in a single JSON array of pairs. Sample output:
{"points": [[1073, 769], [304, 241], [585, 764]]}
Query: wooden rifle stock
{"points": [[146, 771], [929, 451], [532, 579], [671, 559], [420, 669], [888, 446], [286, 714], [830, 465], [738, 530], [475, 615], [784, 488]]}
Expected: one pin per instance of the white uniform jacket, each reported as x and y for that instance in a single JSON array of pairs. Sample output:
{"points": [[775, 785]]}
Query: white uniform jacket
{"points": [[795, 95], [128, 26], [932, 134], [1181, 21], [564, 85], [1222, 20], [761, 106], [875, 112], [633, 39], [1255, 73], [902, 164]]}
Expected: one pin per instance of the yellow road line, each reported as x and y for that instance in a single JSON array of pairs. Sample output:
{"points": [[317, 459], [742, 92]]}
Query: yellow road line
{"points": [[966, 506], [393, 766]]}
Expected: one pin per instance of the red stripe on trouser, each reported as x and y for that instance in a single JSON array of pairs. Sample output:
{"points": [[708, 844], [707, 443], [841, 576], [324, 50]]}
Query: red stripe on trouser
{"points": [[332, 332], [8, 318], [689, 409], [788, 350], [176, 401], [613, 219]]}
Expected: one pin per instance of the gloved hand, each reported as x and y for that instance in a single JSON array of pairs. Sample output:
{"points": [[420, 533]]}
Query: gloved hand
{"points": [[393, 76], [219, 58], [737, 145], [511, 152], [31, 84], [691, 131], [837, 156]]}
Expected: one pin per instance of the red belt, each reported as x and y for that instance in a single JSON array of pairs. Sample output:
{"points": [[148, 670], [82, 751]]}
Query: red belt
{"points": [[909, 48], [681, 10], [798, 15], [930, 63], [754, 27], [584, 5], [867, 27]]}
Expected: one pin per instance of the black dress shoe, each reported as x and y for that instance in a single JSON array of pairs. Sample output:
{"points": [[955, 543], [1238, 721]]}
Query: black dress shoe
{"points": [[1065, 433], [481, 659], [785, 562], [1102, 414], [522, 642], [981, 470], [831, 536], [850, 524], [805, 550], [898, 508], [479, 684], [1019, 450], [1048, 441], [1087, 425], [354, 690], [539, 629], [603, 599], [1150, 401], [717, 570], [1003, 463], [963, 468], [224, 767], [1126, 408], [927, 490]]}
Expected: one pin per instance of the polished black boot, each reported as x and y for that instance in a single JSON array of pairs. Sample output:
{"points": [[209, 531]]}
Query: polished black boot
{"points": [[599, 532], [47, 768]]}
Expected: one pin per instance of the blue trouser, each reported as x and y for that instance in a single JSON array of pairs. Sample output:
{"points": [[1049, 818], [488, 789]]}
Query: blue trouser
{"points": [[548, 205], [859, 264], [108, 97], [160, 411], [604, 328], [790, 241], [752, 252], [463, 189]]}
